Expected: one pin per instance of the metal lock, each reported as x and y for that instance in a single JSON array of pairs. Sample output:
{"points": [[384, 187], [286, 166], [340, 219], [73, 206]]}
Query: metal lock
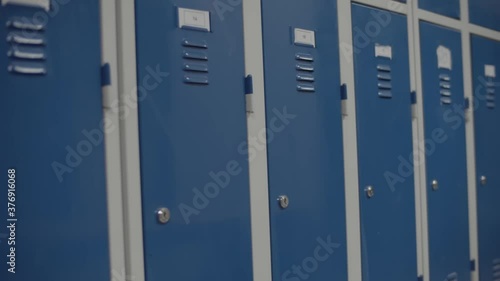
{"points": [[483, 180], [370, 191], [163, 215], [283, 201], [435, 185]]}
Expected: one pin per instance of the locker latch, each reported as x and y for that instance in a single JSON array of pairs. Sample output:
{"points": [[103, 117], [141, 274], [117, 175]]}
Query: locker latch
{"points": [[248, 93]]}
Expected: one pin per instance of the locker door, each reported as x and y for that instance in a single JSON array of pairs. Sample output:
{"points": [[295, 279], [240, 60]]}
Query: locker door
{"points": [[485, 64], [449, 8], [305, 156], [485, 13], [383, 108], [193, 137], [443, 103], [52, 135]]}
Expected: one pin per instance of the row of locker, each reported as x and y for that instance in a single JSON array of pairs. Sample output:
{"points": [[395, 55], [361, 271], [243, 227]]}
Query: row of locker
{"points": [[195, 151]]}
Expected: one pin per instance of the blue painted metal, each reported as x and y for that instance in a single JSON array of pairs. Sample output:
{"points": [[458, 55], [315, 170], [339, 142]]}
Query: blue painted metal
{"points": [[449, 8], [53, 121], [485, 13], [305, 154], [388, 228], [193, 144], [487, 138], [444, 133]]}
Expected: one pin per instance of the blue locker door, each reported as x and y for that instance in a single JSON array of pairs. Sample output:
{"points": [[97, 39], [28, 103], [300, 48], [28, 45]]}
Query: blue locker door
{"points": [[383, 108], [192, 141], [305, 154], [449, 8], [52, 135], [485, 13], [443, 103], [485, 67]]}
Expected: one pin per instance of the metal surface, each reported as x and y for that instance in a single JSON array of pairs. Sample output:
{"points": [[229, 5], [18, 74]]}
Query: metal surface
{"points": [[487, 139], [445, 150], [384, 131], [449, 8], [193, 144], [483, 180], [283, 201], [305, 157], [55, 143], [435, 185], [163, 215], [370, 192], [485, 13]]}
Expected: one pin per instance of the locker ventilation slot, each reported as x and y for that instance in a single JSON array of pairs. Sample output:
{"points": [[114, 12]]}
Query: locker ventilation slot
{"points": [[496, 270], [490, 94], [445, 88], [384, 81], [305, 68], [195, 62], [452, 277], [27, 45]]}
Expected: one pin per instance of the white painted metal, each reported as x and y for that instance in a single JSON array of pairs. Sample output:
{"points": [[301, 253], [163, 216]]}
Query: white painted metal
{"points": [[129, 133], [415, 129], [256, 122], [112, 143], [470, 140], [350, 143]]}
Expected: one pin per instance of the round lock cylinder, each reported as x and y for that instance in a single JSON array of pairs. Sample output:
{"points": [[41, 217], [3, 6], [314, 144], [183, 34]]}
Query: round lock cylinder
{"points": [[435, 185], [483, 180], [283, 201], [163, 215], [370, 191]]}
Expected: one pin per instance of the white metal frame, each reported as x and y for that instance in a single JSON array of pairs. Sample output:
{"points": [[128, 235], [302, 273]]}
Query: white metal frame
{"points": [[123, 166], [415, 15]]}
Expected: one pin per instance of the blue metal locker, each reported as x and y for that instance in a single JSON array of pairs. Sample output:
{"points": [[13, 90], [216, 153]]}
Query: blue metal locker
{"points": [[52, 136], [485, 13], [386, 177], [446, 165], [193, 135], [449, 8], [485, 64], [305, 156]]}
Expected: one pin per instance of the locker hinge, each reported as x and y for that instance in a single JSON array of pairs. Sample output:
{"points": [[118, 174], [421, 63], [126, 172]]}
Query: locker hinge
{"points": [[466, 103], [105, 84], [248, 93], [413, 97], [420, 278], [473, 265]]}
